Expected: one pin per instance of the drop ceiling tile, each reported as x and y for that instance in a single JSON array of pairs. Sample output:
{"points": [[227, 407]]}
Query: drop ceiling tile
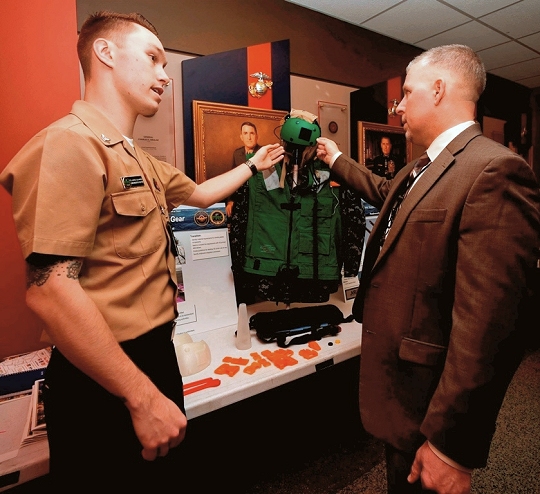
{"points": [[506, 54], [477, 8], [402, 21], [473, 34], [532, 82], [520, 70], [428, 23], [517, 20], [533, 41], [352, 11]]}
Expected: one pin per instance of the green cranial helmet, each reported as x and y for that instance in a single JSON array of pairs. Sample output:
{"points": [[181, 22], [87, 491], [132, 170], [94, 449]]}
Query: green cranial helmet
{"points": [[299, 131]]}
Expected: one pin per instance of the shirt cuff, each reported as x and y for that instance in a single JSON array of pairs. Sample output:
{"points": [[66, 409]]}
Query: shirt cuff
{"points": [[334, 158], [449, 461]]}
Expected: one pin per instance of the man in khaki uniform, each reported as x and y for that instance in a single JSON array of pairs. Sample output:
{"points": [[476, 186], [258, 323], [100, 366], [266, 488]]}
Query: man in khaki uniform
{"points": [[91, 211]]}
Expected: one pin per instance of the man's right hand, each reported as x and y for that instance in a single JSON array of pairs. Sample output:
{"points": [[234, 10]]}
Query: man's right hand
{"points": [[78, 329], [159, 424], [326, 149]]}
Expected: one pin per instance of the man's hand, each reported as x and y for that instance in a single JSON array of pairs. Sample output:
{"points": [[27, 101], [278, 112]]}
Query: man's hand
{"points": [[326, 149], [437, 475], [267, 156], [159, 424]]}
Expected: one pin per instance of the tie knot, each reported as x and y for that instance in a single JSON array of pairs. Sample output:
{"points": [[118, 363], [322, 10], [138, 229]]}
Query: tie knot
{"points": [[422, 161]]}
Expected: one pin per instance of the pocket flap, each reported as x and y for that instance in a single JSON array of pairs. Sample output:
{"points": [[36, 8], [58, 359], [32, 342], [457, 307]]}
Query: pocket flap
{"points": [[428, 215], [420, 352], [134, 203]]}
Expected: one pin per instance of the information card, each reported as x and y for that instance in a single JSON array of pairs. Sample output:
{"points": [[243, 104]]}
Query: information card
{"points": [[206, 297]]}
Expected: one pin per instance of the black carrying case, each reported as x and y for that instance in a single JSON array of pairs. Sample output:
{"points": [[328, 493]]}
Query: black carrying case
{"points": [[298, 325]]}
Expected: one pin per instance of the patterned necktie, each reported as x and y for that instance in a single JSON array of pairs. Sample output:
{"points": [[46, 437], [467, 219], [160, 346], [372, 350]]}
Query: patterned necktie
{"points": [[419, 166]]}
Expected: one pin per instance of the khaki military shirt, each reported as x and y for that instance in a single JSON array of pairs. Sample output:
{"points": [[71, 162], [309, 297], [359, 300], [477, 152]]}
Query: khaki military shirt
{"points": [[80, 189]]}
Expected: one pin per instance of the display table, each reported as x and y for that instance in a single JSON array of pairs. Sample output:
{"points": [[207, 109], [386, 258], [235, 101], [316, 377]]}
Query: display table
{"points": [[334, 349], [32, 459]]}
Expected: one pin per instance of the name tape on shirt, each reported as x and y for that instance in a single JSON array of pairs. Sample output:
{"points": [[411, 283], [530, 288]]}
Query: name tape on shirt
{"points": [[132, 181]]}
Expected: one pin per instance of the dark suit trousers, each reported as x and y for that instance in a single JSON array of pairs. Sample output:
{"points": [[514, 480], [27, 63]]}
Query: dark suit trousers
{"points": [[398, 467]]}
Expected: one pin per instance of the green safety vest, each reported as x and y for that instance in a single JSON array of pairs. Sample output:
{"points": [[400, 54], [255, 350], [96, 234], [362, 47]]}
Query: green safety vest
{"points": [[284, 229]]}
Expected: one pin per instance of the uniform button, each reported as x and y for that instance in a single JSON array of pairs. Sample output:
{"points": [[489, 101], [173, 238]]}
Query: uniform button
{"points": [[143, 208]]}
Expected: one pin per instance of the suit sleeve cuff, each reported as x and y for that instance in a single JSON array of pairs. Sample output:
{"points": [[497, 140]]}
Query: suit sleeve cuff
{"points": [[449, 461], [334, 158]]}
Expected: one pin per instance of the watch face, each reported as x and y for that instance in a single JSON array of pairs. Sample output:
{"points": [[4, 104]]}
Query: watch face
{"points": [[333, 127]]}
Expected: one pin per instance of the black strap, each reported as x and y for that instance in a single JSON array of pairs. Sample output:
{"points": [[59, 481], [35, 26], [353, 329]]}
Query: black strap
{"points": [[314, 334]]}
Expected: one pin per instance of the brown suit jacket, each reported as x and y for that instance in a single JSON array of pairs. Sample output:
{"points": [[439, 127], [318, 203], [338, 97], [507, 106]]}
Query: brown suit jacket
{"points": [[440, 302]]}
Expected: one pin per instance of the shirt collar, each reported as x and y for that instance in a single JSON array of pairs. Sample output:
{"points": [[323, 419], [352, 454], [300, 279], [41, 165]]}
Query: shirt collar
{"points": [[98, 123], [442, 140]]}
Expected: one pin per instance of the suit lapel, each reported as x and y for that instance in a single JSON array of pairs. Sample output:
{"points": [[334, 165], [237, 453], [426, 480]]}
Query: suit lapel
{"points": [[428, 179], [420, 189]]}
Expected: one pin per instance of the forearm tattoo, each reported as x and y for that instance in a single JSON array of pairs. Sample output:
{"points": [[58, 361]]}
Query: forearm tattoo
{"points": [[39, 268]]}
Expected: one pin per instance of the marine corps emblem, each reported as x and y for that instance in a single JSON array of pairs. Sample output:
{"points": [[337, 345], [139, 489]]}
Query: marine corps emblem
{"points": [[259, 88]]}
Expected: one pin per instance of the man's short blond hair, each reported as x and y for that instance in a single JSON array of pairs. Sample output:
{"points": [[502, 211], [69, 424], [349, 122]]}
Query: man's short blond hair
{"points": [[460, 60]]}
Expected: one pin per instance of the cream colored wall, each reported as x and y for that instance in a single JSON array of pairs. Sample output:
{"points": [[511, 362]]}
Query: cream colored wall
{"points": [[307, 94]]}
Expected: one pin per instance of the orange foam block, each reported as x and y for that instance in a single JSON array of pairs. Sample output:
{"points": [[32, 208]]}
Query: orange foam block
{"points": [[236, 360], [308, 353], [228, 369], [314, 345]]}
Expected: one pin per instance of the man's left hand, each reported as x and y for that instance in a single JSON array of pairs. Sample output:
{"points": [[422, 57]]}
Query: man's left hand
{"points": [[437, 475]]}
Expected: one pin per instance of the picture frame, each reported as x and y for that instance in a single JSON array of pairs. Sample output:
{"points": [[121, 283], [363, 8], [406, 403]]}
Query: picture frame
{"points": [[216, 134], [369, 139]]}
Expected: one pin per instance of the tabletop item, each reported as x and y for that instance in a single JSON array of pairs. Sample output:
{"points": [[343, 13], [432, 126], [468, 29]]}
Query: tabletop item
{"points": [[192, 356], [243, 333], [298, 325], [208, 382]]}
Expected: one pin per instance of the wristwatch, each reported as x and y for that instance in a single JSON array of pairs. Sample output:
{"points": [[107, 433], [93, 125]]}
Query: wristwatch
{"points": [[252, 167]]}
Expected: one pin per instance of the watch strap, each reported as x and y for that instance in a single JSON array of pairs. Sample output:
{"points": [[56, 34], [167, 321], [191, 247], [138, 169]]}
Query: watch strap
{"points": [[252, 167]]}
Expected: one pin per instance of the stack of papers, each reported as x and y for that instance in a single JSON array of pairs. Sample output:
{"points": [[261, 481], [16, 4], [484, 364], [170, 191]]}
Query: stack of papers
{"points": [[22, 419]]}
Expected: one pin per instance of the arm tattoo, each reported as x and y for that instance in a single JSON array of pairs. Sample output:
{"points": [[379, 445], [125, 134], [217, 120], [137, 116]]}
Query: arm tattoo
{"points": [[41, 266]]}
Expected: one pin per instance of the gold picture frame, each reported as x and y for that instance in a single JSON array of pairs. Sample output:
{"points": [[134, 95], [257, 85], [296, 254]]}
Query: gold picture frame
{"points": [[216, 134], [369, 138]]}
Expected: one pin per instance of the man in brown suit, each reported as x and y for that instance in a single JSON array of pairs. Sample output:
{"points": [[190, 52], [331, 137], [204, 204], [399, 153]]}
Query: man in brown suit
{"points": [[456, 265]]}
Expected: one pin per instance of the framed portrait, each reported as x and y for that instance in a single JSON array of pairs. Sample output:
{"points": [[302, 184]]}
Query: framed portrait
{"points": [[375, 141], [216, 131]]}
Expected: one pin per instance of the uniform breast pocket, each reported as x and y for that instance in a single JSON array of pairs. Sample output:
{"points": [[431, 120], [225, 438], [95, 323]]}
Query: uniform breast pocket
{"points": [[137, 229]]}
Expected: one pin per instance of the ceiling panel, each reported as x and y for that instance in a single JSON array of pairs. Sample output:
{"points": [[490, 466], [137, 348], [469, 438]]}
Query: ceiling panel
{"points": [[473, 34], [401, 21], [517, 20], [505, 33], [505, 55], [343, 10], [478, 8], [521, 70], [532, 41]]}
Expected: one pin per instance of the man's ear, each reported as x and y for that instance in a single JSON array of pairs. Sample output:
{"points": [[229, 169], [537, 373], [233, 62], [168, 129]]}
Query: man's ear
{"points": [[439, 88], [103, 51]]}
